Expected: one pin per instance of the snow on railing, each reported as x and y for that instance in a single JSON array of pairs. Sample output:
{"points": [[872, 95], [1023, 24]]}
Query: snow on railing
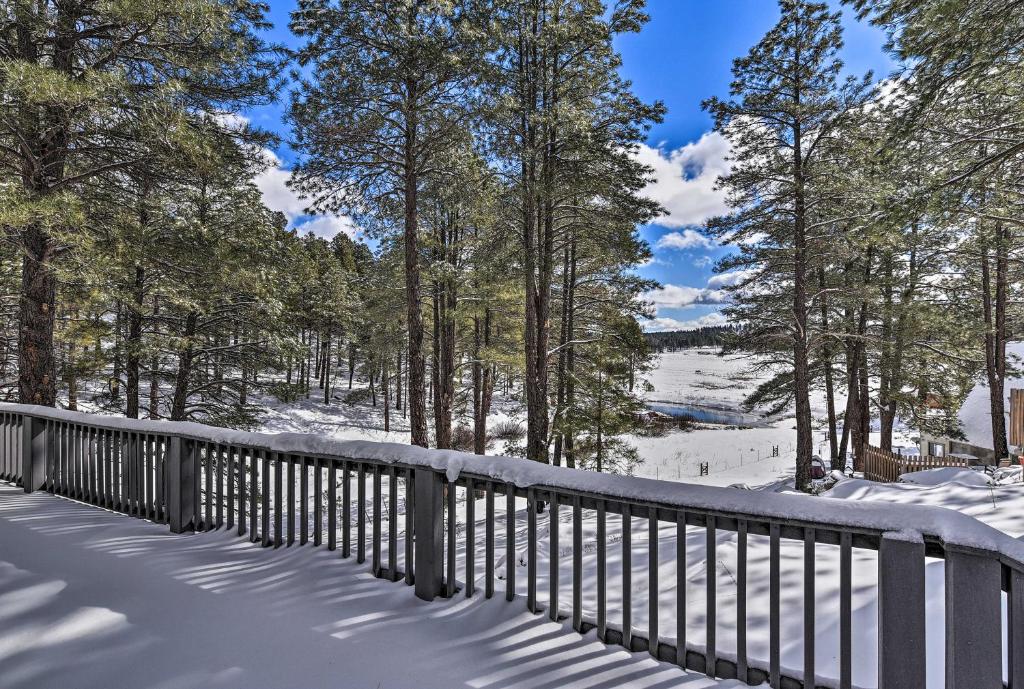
{"points": [[282, 489]]}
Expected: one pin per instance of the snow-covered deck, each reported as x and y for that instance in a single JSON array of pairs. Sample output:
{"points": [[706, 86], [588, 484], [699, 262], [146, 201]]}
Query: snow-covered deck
{"points": [[90, 598]]}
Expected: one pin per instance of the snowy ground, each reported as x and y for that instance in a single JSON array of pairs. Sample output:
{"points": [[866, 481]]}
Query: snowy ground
{"points": [[93, 599]]}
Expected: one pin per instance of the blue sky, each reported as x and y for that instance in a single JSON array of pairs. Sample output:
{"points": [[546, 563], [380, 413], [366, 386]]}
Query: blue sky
{"points": [[682, 56]]}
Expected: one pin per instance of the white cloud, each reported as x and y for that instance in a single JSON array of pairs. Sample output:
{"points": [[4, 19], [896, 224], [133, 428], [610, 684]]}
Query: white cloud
{"points": [[686, 239], [278, 196], [684, 179], [657, 325], [680, 296], [703, 261], [731, 278]]}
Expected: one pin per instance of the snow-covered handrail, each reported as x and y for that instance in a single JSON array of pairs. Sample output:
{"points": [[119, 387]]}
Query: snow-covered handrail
{"points": [[197, 477], [948, 527]]}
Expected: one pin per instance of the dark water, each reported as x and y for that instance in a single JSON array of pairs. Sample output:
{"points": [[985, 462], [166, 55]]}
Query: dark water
{"points": [[708, 414]]}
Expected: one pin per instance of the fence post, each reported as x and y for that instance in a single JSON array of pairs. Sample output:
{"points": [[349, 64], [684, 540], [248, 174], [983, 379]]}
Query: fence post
{"points": [[428, 526], [34, 453], [180, 467], [974, 658], [901, 614]]}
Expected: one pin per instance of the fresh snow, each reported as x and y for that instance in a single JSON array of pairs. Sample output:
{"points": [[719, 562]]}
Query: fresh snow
{"points": [[92, 599]]}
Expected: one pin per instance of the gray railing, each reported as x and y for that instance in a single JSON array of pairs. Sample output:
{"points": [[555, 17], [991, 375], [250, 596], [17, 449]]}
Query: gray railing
{"points": [[282, 489]]}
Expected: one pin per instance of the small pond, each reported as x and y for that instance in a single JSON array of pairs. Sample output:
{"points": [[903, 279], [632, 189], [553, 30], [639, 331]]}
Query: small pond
{"points": [[704, 414]]}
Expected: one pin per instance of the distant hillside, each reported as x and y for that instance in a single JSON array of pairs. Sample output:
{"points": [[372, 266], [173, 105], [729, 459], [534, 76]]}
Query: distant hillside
{"points": [[686, 339]]}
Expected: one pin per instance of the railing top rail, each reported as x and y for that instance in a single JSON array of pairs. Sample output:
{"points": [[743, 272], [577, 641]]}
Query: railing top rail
{"points": [[910, 522]]}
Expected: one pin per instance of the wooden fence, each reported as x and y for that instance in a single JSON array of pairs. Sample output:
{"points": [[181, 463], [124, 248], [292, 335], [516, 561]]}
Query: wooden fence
{"points": [[886, 467], [284, 490]]}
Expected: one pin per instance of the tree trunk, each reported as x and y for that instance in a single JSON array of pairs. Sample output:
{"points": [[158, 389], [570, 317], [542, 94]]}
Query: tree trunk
{"points": [[133, 345], [416, 390], [36, 384], [186, 356], [827, 358], [994, 310]]}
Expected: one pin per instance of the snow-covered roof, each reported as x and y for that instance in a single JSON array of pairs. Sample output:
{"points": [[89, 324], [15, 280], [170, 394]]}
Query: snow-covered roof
{"points": [[975, 414]]}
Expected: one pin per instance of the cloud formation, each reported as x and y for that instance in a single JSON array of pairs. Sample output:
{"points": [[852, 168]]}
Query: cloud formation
{"points": [[733, 277], [278, 196], [684, 180], [685, 239], [658, 325], [681, 296]]}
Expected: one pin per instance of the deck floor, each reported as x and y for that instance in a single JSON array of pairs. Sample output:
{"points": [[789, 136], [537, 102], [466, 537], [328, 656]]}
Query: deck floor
{"points": [[90, 598]]}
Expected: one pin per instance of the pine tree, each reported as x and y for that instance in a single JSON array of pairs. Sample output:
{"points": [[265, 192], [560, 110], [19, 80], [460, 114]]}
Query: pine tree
{"points": [[93, 87], [384, 89], [788, 99]]}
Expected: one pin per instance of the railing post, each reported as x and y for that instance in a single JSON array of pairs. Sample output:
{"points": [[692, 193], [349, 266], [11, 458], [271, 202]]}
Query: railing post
{"points": [[429, 528], [35, 450], [974, 655], [901, 614], [180, 467], [1015, 630]]}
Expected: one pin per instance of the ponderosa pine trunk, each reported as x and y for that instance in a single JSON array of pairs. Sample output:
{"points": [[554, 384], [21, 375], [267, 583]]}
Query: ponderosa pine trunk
{"points": [[994, 311], [416, 389], [801, 369], [186, 359], [133, 345]]}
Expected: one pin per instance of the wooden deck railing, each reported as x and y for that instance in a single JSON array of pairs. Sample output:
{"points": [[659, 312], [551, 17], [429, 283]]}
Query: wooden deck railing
{"points": [[886, 467], [283, 489]]}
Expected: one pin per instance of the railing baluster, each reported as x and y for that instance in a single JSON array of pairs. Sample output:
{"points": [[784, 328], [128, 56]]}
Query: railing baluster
{"points": [[318, 502], [208, 484], [809, 574], [124, 452], [973, 621], [253, 494], [138, 473], [901, 614], [361, 514], [196, 482], [332, 505], [711, 566], [741, 600], [845, 610], [627, 578], [303, 500], [392, 524], [265, 498], [375, 565], [346, 509], [774, 619], [160, 478], [681, 580], [410, 513], [470, 537], [652, 585], [553, 527], [291, 498], [278, 490], [231, 474], [220, 485], [510, 542], [602, 572], [577, 564], [531, 550], [450, 540], [241, 491], [489, 542]]}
